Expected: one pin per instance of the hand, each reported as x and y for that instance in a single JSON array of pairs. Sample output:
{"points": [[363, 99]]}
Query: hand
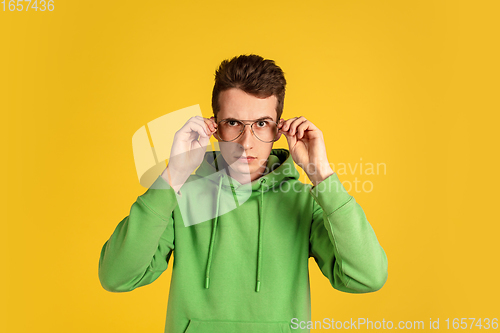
{"points": [[188, 149], [307, 146]]}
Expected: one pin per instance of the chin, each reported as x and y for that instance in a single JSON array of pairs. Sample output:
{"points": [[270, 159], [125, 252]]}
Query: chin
{"points": [[241, 168]]}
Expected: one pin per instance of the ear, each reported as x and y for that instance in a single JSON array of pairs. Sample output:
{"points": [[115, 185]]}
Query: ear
{"points": [[280, 133], [216, 137]]}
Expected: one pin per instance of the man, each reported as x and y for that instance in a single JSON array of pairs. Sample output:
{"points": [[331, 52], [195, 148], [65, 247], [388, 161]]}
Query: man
{"points": [[243, 226]]}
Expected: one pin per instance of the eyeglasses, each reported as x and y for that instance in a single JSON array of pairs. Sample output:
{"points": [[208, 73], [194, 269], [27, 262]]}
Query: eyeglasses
{"points": [[231, 129]]}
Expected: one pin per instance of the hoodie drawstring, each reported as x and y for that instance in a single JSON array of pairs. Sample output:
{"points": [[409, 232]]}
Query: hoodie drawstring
{"points": [[259, 257], [214, 229]]}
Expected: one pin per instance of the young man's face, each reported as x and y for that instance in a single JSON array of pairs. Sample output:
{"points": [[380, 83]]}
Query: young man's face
{"points": [[237, 104]]}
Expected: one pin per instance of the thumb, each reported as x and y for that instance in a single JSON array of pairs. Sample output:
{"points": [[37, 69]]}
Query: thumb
{"points": [[290, 139], [204, 140]]}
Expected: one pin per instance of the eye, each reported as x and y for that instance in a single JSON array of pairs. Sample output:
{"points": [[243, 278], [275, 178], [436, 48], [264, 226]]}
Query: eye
{"points": [[262, 123], [232, 122]]}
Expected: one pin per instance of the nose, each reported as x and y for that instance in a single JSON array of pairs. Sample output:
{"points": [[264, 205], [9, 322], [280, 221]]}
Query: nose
{"points": [[247, 138]]}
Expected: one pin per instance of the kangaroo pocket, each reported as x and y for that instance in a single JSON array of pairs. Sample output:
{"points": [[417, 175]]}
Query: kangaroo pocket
{"points": [[216, 326]]}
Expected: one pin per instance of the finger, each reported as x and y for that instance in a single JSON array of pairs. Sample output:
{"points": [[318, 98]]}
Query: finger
{"points": [[286, 124], [201, 129], [201, 122], [281, 122], [296, 122], [204, 141], [302, 128], [291, 139], [212, 119], [211, 124]]}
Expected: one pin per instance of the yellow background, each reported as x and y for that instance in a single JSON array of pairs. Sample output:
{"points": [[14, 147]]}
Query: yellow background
{"points": [[412, 84]]}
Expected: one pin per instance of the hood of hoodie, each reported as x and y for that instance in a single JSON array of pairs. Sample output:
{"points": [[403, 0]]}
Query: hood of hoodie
{"points": [[280, 167]]}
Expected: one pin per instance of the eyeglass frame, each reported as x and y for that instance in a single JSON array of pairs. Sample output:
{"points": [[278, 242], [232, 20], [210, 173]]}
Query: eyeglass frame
{"points": [[216, 134]]}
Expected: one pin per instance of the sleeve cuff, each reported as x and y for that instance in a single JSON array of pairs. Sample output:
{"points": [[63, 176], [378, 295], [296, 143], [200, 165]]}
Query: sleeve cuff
{"points": [[330, 194]]}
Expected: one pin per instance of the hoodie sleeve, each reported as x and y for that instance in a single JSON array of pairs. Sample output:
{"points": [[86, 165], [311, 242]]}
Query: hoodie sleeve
{"points": [[342, 241], [139, 249]]}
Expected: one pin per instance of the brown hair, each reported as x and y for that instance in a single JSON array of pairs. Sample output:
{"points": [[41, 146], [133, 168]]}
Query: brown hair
{"points": [[252, 74]]}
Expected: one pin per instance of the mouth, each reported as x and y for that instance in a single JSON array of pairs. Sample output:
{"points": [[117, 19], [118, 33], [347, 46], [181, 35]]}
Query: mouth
{"points": [[246, 159]]}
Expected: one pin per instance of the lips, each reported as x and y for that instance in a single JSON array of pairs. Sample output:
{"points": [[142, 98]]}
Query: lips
{"points": [[247, 158]]}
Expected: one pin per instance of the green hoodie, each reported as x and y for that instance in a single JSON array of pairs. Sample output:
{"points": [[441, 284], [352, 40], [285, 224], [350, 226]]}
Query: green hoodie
{"points": [[245, 267]]}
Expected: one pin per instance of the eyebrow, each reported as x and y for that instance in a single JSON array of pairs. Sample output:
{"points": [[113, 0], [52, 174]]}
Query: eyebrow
{"points": [[261, 118]]}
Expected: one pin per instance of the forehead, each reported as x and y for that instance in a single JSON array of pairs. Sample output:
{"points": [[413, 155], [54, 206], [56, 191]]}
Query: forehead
{"points": [[235, 103]]}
